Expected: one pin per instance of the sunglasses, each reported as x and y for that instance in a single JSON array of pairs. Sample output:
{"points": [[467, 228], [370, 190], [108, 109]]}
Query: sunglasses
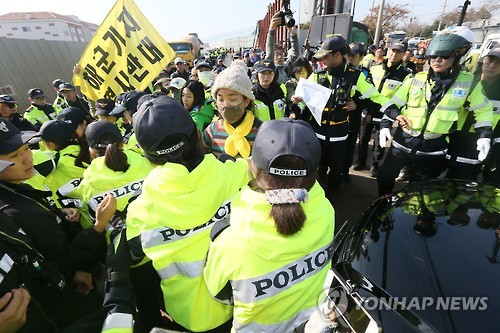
{"points": [[442, 57]]}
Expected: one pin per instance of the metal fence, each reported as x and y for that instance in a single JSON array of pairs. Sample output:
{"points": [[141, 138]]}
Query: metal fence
{"points": [[26, 64]]}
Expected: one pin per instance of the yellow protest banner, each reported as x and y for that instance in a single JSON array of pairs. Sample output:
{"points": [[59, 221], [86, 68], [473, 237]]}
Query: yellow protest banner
{"points": [[126, 53]]}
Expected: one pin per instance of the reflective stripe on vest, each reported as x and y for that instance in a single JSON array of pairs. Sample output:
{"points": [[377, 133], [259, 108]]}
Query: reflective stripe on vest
{"points": [[256, 289], [123, 191], [155, 237], [496, 106], [398, 101], [188, 269], [418, 152], [464, 160], [331, 139], [482, 105], [368, 93], [284, 326], [6, 264], [118, 322]]}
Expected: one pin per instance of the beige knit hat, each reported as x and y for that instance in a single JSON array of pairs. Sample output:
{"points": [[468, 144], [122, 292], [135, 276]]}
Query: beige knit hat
{"points": [[234, 78]]}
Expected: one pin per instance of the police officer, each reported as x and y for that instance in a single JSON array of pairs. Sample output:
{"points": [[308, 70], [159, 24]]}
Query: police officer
{"points": [[8, 110], [121, 173], [125, 108], [387, 77], [60, 102], [40, 111], [270, 102], [430, 105], [68, 91], [15, 301], [491, 81], [181, 198], [70, 157], [348, 84], [355, 57], [112, 170], [61, 257], [368, 59], [272, 260], [219, 66], [103, 108]]}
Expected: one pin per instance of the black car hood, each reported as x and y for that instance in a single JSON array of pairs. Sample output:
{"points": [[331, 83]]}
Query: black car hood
{"points": [[435, 241]]}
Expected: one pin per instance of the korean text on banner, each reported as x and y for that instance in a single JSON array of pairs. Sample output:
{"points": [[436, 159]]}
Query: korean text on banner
{"points": [[126, 53]]}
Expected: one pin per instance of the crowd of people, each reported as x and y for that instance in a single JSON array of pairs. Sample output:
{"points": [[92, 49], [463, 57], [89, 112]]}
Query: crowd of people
{"points": [[206, 203]]}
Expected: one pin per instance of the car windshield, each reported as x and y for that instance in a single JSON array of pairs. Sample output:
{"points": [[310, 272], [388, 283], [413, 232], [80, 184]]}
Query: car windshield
{"points": [[180, 47]]}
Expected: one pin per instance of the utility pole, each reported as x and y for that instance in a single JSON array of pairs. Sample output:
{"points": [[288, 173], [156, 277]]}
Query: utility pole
{"points": [[442, 14], [379, 21]]}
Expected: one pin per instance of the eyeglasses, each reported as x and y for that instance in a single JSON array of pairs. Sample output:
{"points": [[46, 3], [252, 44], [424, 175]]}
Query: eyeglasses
{"points": [[442, 57]]}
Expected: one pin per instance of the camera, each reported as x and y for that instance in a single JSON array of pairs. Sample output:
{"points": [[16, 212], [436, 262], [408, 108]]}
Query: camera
{"points": [[287, 15]]}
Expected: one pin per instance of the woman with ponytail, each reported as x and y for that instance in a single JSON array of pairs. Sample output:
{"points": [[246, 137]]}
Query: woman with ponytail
{"points": [[77, 121], [271, 261], [112, 169]]}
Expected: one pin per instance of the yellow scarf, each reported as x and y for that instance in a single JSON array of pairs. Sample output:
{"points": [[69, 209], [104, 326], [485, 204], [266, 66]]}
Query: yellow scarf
{"points": [[236, 141]]}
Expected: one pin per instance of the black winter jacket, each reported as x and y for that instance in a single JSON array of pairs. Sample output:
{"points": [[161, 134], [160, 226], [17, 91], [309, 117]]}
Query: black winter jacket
{"points": [[58, 240]]}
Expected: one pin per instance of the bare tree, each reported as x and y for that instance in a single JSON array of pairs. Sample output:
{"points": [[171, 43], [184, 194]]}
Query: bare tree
{"points": [[473, 14], [485, 10], [393, 17], [414, 28], [491, 6]]}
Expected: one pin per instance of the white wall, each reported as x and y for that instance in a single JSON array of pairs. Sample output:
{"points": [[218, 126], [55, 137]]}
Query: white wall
{"points": [[37, 29]]}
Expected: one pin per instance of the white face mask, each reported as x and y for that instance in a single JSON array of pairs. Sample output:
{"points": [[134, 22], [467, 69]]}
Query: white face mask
{"points": [[205, 77]]}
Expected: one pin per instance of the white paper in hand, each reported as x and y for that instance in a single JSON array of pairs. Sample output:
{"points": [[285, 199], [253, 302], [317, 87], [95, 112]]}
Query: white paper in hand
{"points": [[314, 95]]}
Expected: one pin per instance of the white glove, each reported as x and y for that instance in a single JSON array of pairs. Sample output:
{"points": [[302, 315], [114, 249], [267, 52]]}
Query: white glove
{"points": [[483, 146], [384, 136]]}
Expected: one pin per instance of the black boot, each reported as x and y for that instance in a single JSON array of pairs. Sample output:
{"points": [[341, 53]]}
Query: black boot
{"points": [[374, 171]]}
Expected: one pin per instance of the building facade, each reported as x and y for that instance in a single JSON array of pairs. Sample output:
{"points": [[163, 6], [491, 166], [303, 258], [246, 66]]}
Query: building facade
{"points": [[46, 26]]}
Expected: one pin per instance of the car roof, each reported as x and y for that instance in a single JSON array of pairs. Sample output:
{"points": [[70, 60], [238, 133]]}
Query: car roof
{"points": [[432, 239]]}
